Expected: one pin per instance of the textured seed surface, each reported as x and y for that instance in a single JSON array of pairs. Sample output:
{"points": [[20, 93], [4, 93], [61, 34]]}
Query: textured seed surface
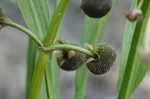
{"points": [[69, 62], [96, 8], [103, 63], [72, 63]]}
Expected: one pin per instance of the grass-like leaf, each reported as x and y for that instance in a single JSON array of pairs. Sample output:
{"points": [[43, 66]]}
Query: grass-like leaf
{"points": [[52, 78], [52, 74], [43, 59], [37, 17], [128, 34], [133, 70]]}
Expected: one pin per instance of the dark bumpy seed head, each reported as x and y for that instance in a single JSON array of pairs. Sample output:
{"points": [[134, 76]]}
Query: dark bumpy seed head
{"points": [[103, 61], [96, 8], [70, 62]]}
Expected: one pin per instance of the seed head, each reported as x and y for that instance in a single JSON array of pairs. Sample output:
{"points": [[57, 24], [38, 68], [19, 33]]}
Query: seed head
{"points": [[103, 60], [96, 8], [70, 60]]}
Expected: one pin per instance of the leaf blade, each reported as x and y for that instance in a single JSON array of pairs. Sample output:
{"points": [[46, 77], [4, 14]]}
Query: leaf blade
{"points": [[127, 83], [37, 17]]}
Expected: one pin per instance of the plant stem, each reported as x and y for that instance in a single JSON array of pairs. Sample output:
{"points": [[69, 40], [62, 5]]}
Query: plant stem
{"points": [[126, 84], [51, 48], [43, 59], [24, 30], [31, 60], [56, 21], [140, 3], [68, 47], [38, 76]]}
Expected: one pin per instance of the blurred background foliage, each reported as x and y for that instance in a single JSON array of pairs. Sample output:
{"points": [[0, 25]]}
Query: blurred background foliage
{"points": [[13, 48]]}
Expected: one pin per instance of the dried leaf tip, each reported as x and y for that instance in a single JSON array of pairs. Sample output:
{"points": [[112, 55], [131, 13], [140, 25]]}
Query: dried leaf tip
{"points": [[134, 15], [2, 18]]}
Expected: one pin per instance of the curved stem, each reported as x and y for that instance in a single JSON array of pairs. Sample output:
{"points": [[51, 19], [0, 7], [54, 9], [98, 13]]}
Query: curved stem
{"points": [[49, 49], [68, 47], [24, 30]]}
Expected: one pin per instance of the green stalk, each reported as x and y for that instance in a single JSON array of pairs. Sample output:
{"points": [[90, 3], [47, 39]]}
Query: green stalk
{"points": [[55, 23], [128, 34], [36, 14], [68, 47], [52, 78], [43, 57], [125, 90], [24, 30], [38, 42], [52, 72], [31, 60]]}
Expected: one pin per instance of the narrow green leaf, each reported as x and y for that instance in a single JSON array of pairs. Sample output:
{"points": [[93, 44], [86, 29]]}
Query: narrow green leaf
{"points": [[134, 71], [31, 59], [141, 67], [55, 23], [43, 59], [44, 90], [92, 30], [127, 39], [36, 15], [52, 73]]}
